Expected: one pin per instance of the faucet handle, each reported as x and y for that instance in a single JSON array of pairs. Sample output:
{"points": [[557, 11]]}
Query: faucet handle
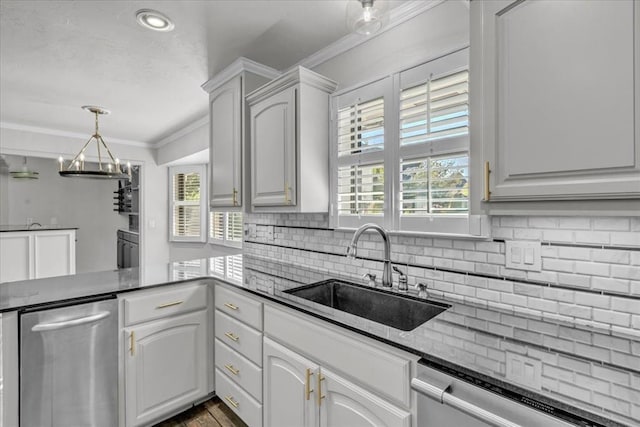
{"points": [[371, 277], [422, 290], [402, 280]]}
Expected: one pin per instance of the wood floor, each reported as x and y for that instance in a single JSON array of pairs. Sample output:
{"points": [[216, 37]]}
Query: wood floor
{"points": [[212, 413]]}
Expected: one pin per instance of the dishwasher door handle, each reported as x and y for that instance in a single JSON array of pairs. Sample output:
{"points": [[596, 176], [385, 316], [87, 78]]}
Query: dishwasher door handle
{"points": [[42, 327], [440, 393]]}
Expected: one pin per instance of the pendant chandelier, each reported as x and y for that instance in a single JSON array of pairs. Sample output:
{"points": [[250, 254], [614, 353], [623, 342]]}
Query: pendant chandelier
{"points": [[108, 169]]}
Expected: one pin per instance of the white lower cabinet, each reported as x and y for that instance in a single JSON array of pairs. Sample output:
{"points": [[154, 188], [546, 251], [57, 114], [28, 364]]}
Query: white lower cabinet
{"points": [[306, 390], [289, 388], [26, 255], [165, 359]]}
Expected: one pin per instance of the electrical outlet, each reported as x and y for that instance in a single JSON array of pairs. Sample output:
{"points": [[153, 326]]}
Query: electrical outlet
{"points": [[523, 255], [524, 370], [251, 231]]}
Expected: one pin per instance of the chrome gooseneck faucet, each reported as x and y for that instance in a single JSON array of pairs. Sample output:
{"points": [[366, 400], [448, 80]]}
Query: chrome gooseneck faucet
{"points": [[352, 250]]}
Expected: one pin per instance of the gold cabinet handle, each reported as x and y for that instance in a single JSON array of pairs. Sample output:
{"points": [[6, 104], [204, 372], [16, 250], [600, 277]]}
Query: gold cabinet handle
{"points": [[233, 370], [308, 388], [169, 304], [287, 193], [231, 336], [235, 197], [320, 396], [132, 339], [231, 401], [487, 191], [231, 306]]}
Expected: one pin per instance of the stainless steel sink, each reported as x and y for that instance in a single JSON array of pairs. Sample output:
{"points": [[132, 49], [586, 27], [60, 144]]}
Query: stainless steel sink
{"points": [[399, 311]]}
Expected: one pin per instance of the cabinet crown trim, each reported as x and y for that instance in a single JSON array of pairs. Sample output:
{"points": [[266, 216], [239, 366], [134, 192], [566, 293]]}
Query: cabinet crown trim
{"points": [[291, 78], [236, 67]]}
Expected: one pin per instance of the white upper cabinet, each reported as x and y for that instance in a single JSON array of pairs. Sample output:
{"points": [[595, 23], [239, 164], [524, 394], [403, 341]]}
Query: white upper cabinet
{"points": [[290, 143], [227, 128], [555, 97]]}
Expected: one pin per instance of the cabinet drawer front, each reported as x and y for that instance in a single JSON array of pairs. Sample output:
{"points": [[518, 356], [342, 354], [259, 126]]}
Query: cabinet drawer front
{"points": [[240, 337], [239, 306], [155, 304], [238, 400], [239, 369], [343, 352]]}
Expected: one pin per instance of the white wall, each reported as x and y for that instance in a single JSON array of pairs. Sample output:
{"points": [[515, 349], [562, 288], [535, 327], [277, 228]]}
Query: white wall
{"points": [[439, 30], [82, 203], [186, 143], [154, 224]]}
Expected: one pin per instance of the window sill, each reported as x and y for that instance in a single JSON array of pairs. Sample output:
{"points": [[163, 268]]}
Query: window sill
{"points": [[456, 236]]}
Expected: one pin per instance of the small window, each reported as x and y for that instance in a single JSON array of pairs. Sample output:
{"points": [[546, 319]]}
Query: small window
{"points": [[225, 228], [188, 207]]}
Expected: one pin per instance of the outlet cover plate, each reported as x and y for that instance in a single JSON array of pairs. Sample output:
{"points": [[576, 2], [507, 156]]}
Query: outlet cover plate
{"points": [[524, 370]]}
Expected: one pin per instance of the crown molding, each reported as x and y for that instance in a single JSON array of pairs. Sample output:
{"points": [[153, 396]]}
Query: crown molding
{"points": [[67, 134], [236, 67], [291, 78], [398, 15], [182, 132]]}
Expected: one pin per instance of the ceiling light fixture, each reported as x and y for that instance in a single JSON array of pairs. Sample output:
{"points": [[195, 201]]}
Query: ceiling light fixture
{"points": [[154, 20], [109, 170], [366, 17], [24, 172]]}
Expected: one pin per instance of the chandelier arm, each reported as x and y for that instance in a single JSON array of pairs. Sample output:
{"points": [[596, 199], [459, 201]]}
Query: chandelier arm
{"points": [[84, 147], [106, 147], [98, 138]]}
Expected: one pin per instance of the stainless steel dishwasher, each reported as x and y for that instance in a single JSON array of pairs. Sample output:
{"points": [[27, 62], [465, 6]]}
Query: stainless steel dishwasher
{"points": [[69, 365], [444, 400]]}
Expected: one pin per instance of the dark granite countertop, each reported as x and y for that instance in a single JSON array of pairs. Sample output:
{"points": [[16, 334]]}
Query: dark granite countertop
{"points": [[475, 341], [25, 227]]}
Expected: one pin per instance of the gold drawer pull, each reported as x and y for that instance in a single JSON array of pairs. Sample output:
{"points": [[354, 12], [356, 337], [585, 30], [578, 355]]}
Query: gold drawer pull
{"points": [[169, 304], [231, 336], [233, 370], [231, 401], [308, 388], [231, 306]]}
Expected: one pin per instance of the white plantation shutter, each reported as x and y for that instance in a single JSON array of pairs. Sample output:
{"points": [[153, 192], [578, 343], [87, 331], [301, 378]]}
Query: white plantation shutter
{"points": [[361, 190], [361, 127], [216, 226], [436, 109], [433, 147], [226, 228], [234, 227], [234, 267], [359, 180], [435, 185], [400, 150], [188, 221]]}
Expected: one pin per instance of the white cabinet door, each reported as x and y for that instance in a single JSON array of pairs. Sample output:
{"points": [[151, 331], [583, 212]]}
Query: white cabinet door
{"points": [[345, 404], [165, 366], [273, 150], [225, 121], [15, 257], [288, 383], [54, 253], [558, 99]]}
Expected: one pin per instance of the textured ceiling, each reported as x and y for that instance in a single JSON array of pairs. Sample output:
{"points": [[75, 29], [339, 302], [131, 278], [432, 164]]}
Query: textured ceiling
{"points": [[58, 55]]}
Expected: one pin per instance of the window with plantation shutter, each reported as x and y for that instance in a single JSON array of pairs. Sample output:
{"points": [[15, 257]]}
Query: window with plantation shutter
{"points": [[188, 207], [225, 228], [400, 153]]}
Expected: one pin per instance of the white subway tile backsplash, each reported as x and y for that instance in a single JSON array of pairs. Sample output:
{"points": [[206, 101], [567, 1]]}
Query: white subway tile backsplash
{"points": [[558, 236]]}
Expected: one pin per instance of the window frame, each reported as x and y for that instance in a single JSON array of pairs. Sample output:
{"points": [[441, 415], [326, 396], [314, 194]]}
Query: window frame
{"points": [[201, 169], [391, 88]]}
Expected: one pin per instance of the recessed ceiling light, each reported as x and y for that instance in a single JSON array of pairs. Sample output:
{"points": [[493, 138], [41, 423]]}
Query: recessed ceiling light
{"points": [[154, 20]]}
